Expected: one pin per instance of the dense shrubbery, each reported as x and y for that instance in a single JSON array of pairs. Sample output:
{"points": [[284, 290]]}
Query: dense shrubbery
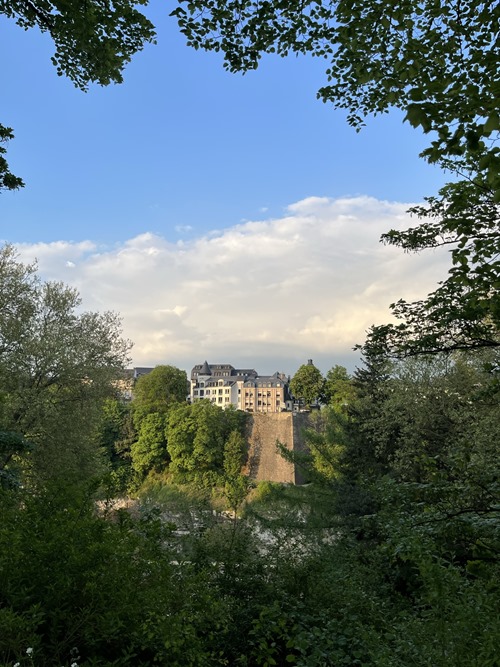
{"points": [[76, 586]]}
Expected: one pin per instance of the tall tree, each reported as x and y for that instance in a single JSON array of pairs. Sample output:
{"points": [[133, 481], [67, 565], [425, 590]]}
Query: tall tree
{"points": [[93, 40], [339, 388], [149, 452], [236, 484], [57, 365], [308, 384], [157, 391]]}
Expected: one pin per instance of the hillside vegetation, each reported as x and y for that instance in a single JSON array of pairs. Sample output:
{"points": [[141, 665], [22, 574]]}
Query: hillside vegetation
{"points": [[388, 556]]}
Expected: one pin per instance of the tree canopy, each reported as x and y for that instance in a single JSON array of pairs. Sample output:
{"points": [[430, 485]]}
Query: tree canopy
{"points": [[57, 365], [437, 61], [157, 391], [339, 390], [463, 313], [308, 384], [197, 435]]}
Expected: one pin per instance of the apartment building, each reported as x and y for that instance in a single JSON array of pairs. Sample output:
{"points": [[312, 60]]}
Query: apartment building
{"points": [[243, 388]]}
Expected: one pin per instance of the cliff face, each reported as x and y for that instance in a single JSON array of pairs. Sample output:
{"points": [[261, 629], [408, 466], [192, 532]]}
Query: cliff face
{"points": [[264, 431]]}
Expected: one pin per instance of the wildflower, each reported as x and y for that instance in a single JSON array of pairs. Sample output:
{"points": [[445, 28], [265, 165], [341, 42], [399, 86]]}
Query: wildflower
{"points": [[17, 664], [29, 650]]}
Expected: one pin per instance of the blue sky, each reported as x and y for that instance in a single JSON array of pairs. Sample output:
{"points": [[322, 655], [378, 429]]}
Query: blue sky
{"points": [[185, 154]]}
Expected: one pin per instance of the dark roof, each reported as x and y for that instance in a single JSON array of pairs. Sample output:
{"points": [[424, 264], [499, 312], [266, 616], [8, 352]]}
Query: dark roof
{"points": [[141, 370], [273, 380], [246, 371], [224, 370], [205, 369], [226, 382]]}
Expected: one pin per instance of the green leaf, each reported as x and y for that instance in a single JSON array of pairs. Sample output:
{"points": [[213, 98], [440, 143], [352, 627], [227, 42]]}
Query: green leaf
{"points": [[492, 124]]}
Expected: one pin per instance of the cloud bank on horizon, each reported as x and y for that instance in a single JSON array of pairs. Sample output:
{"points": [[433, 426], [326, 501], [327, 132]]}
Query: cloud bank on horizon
{"points": [[268, 294]]}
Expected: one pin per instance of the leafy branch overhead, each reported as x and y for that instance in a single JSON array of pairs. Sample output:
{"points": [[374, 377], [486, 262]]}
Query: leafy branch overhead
{"points": [[437, 61], [93, 40], [464, 311], [7, 179]]}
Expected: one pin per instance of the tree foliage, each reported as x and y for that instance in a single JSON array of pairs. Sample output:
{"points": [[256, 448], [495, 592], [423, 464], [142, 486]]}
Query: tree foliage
{"points": [[7, 179], [436, 61], [197, 435], [57, 365], [236, 484], [93, 41], [308, 384], [408, 523], [339, 389], [463, 313], [149, 452], [426, 433], [116, 431], [158, 391]]}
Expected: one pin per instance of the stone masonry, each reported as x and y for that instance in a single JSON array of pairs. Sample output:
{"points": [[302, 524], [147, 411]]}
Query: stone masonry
{"points": [[264, 431]]}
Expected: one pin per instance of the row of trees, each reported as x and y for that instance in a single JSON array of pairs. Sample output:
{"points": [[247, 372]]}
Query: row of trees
{"points": [[406, 474], [309, 385], [159, 432]]}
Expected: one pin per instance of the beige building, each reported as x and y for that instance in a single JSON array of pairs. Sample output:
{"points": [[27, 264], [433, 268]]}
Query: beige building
{"points": [[265, 394]]}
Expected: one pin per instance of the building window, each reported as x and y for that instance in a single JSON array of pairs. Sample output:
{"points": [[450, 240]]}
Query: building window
{"points": [[227, 391], [220, 399], [208, 392]]}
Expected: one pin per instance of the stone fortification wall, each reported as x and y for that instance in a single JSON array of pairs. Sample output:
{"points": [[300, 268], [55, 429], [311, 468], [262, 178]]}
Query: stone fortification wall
{"points": [[264, 431]]}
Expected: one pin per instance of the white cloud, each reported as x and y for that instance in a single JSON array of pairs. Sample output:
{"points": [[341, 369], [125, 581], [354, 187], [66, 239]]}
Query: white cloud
{"points": [[269, 294]]}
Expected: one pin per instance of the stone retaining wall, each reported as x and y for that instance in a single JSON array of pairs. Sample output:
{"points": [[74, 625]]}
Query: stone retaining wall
{"points": [[264, 431]]}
